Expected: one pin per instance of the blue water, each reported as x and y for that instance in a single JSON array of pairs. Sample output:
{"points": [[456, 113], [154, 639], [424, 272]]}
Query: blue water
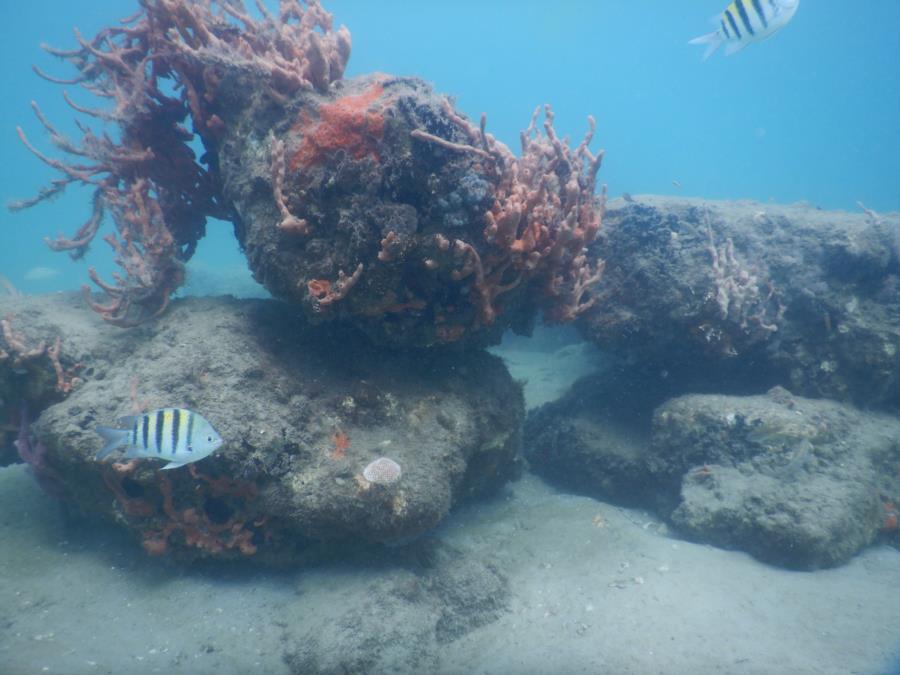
{"points": [[811, 114]]}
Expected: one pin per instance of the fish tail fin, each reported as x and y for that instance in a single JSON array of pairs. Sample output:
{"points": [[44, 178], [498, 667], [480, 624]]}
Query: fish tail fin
{"points": [[734, 47], [113, 439], [712, 41]]}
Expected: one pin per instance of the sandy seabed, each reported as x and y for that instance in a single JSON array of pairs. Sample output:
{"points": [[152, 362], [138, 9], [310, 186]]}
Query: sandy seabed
{"points": [[595, 588]]}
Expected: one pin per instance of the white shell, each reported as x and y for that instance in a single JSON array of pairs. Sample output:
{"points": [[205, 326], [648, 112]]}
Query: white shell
{"points": [[383, 471]]}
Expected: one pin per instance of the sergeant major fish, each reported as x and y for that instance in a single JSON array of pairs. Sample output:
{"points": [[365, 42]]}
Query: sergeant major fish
{"points": [[174, 434], [746, 21]]}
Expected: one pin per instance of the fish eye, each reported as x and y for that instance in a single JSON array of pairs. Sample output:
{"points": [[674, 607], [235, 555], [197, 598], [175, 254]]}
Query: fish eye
{"points": [[209, 439]]}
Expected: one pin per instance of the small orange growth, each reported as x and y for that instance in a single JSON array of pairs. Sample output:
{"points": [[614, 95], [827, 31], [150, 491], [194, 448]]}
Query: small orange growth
{"points": [[223, 486], [347, 124], [138, 405], [341, 443], [155, 545], [703, 472], [133, 506], [449, 333], [319, 288], [890, 517]]}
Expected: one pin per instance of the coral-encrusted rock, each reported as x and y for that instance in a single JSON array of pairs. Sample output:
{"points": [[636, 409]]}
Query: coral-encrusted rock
{"points": [[796, 482], [366, 199], [340, 209], [720, 295], [302, 410], [28, 378]]}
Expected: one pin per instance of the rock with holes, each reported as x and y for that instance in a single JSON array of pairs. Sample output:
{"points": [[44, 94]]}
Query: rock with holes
{"points": [[376, 203], [303, 412], [796, 482], [740, 296], [339, 208]]}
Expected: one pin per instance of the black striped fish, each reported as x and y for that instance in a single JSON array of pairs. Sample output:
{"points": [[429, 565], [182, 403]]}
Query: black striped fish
{"points": [[746, 21], [174, 434]]}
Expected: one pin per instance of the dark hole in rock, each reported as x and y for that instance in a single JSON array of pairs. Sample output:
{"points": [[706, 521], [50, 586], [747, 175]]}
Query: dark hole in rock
{"points": [[132, 488], [217, 510]]}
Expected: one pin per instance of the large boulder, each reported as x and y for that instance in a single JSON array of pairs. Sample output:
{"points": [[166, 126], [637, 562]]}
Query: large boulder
{"points": [[303, 412], [349, 174], [366, 199], [376, 203], [796, 482], [404, 617], [740, 296]]}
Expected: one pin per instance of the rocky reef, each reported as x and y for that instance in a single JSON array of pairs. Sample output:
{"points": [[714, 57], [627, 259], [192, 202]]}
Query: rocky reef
{"points": [[745, 339], [711, 295], [381, 218], [797, 482], [303, 411], [368, 200], [377, 204]]}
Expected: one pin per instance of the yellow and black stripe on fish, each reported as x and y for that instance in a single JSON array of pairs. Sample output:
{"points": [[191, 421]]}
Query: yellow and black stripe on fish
{"points": [[174, 434], [746, 21]]}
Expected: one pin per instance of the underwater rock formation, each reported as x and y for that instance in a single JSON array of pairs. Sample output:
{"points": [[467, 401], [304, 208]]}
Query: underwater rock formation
{"points": [[303, 410], [377, 203], [40, 363], [160, 70], [594, 439], [710, 295], [737, 298], [370, 200], [796, 482], [436, 596]]}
